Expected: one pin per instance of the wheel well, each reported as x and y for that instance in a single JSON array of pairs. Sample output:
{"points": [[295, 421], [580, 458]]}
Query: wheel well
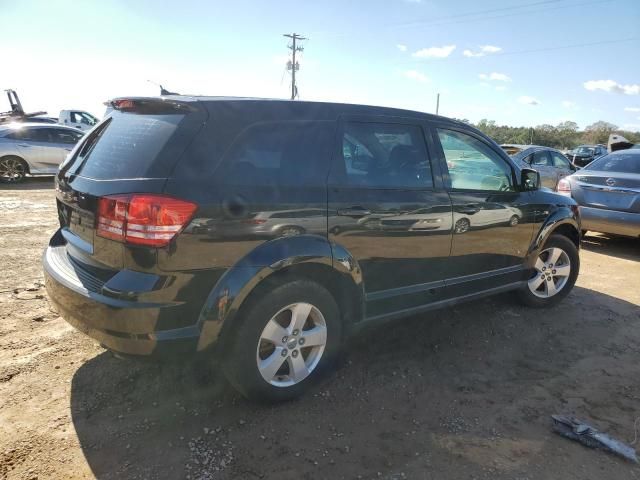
{"points": [[19, 158], [344, 291], [570, 232]]}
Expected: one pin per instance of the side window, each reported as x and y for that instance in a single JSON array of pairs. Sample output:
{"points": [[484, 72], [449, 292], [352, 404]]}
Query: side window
{"points": [[65, 136], [280, 153], [385, 155], [541, 159], [560, 161], [473, 165]]}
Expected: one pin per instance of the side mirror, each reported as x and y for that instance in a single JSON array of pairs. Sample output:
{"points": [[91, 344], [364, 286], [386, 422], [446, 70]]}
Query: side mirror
{"points": [[529, 179]]}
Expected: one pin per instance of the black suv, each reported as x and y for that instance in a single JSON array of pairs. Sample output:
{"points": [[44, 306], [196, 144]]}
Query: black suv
{"points": [[168, 241]]}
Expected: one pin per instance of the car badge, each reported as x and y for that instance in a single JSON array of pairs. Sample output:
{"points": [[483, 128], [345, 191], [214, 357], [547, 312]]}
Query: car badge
{"points": [[610, 182]]}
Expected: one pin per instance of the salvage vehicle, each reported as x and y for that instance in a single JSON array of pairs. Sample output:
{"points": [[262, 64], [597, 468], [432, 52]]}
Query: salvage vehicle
{"points": [[135, 266], [33, 149], [608, 193], [585, 154], [550, 163]]}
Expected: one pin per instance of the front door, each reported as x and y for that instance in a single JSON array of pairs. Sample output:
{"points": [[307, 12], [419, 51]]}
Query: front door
{"points": [[492, 220], [388, 208]]}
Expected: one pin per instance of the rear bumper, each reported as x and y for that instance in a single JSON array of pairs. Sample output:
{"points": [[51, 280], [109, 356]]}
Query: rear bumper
{"points": [[124, 326], [610, 221]]}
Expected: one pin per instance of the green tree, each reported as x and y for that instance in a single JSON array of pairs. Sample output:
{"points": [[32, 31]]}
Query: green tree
{"points": [[599, 132]]}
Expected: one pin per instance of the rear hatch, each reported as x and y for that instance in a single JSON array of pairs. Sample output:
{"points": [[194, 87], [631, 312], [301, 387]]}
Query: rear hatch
{"points": [[134, 150]]}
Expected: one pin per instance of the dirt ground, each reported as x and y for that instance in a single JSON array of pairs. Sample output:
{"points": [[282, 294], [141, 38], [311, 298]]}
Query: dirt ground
{"points": [[460, 393]]}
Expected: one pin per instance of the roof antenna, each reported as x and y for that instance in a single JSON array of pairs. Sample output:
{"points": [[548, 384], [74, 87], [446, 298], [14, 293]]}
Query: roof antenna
{"points": [[163, 91]]}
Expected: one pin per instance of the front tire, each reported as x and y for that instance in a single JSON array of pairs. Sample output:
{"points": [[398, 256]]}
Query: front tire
{"points": [[554, 274], [289, 338]]}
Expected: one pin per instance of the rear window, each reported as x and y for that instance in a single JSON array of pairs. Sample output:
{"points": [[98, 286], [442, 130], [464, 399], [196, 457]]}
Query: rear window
{"points": [[617, 162], [127, 145]]}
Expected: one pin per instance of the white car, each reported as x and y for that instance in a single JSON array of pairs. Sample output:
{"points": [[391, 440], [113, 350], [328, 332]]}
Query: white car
{"points": [[34, 148]]}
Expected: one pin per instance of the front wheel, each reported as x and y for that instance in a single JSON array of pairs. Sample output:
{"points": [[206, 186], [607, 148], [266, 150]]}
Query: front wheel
{"points": [[289, 337], [554, 274]]}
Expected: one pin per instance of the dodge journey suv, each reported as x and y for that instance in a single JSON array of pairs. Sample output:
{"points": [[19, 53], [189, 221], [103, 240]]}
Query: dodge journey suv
{"points": [[267, 232]]}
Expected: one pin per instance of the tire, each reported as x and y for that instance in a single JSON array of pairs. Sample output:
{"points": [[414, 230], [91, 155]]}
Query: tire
{"points": [[13, 169], [560, 283], [513, 221], [277, 381], [462, 226]]}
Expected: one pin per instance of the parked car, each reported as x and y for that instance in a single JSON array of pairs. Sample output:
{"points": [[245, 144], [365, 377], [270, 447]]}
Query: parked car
{"points": [[78, 119], [608, 192], [549, 162], [585, 154], [128, 268], [33, 149]]}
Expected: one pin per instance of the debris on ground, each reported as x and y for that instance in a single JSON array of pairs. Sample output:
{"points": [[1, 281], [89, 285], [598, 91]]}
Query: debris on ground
{"points": [[575, 429]]}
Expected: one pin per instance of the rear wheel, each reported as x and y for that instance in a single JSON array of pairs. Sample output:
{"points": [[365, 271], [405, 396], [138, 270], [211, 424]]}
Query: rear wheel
{"points": [[12, 169], [290, 231], [288, 339], [554, 274], [513, 221]]}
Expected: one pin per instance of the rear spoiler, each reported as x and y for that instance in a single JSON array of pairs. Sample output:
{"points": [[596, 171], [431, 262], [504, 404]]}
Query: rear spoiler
{"points": [[151, 105]]}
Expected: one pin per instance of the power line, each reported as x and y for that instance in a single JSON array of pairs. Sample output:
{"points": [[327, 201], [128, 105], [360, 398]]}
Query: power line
{"points": [[292, 64]]}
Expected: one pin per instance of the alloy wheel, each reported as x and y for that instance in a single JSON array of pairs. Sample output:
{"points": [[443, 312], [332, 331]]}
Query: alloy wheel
{"points": [[552, 271], [291, 345], [11, 170]]}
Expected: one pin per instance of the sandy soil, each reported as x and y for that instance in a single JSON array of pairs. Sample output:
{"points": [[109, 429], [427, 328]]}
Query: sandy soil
{"points": [[459, 393]]}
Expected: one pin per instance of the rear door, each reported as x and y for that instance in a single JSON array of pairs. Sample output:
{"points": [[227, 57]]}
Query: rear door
{"points": [[493, 221], [383, 190]]}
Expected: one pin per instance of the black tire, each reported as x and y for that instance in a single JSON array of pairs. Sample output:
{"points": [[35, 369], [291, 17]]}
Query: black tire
{"points": [[462, 226], [13, 169], [513, 221], [240, 364], [528, 298]]}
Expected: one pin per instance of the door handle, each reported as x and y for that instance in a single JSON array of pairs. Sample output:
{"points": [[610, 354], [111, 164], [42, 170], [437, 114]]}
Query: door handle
{"points": [[354, 212]]}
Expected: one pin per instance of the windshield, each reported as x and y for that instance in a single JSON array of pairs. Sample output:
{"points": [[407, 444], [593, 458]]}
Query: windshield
{"points": [[628, 162], [584, 151]]}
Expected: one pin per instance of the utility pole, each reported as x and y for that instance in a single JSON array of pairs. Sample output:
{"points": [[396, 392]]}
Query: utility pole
{"points": [[437, 104], [292, 64]]}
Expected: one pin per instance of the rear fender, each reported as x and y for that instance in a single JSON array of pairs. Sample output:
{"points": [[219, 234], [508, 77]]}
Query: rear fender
{"points": [[233, 288]]}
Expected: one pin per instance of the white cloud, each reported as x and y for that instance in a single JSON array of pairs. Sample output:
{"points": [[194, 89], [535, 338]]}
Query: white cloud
{"points": [[568, 104], [526, 100], [490, 49], [435, 52], [635, 127], [612, 86], [484, 50], [414, 75], [632, 109], [402, 48], [498, 77]]}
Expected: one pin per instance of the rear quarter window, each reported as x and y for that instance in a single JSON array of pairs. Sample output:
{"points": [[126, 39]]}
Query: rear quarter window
{"points": [[279, 153]]}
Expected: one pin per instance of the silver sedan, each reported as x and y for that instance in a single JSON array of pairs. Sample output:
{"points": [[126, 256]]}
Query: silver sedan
{"points": [[34, 148], [608, 192]]}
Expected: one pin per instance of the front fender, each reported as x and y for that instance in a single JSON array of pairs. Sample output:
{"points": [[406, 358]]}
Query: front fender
{"points": [[561, 215], [234, 286]]}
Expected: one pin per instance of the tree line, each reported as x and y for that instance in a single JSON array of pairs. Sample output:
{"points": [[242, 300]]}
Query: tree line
{"points": [[565, 135]]}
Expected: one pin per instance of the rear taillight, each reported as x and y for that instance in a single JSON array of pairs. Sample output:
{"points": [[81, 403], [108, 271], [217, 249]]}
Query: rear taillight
{"points": [[140, 219], [564, 187]]}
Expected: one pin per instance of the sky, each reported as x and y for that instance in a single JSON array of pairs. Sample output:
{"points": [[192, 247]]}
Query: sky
{"points": [[520, 63]]}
